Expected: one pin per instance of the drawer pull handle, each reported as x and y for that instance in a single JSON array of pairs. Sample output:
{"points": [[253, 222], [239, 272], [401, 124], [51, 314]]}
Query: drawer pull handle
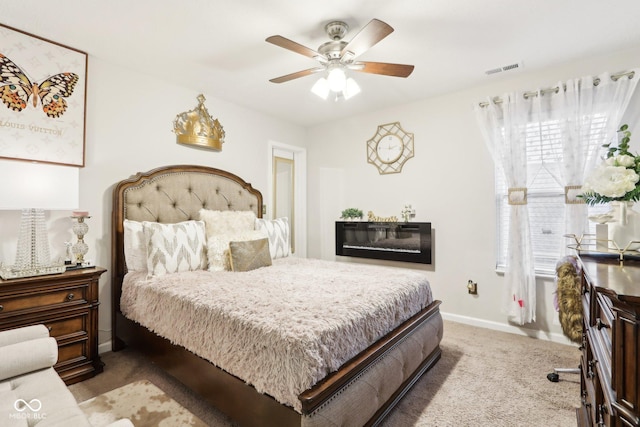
{"points": [[600, 420], [1, 307], [600, 324], [70, 296], [49, 328], [590, 373]]}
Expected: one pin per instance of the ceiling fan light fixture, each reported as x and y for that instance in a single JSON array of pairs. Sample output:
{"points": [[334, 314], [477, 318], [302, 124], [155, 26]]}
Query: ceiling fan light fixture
{"points": [[337, 79], [351, 89], [337, 56], [321, 88]]}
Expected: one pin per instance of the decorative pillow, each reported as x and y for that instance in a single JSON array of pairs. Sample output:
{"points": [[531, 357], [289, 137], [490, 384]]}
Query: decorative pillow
{"points": [[279, 235], [218, 244], [174, 247], [135, 248], [221, 222], [249, 255]]}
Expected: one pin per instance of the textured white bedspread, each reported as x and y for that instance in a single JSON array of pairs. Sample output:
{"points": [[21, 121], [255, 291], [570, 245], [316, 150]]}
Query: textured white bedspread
{"points": [[280, 328]]}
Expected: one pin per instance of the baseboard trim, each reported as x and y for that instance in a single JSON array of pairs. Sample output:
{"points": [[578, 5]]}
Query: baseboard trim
{"points": [[541, 335], [105, 347]]}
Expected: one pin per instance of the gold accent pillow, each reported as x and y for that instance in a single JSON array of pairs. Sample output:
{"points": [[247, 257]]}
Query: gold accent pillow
{"points": [[249, 255]]}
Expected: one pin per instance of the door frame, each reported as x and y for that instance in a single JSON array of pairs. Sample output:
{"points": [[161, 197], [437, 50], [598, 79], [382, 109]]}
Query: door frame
{"points": [[300, 192]]}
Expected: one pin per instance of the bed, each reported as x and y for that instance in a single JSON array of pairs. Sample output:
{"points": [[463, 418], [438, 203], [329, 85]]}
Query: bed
{"points": [[361, 391]]}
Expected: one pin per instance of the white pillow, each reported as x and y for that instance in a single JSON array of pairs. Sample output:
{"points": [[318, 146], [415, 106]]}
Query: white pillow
{"points": [[173, 248], [218, 246], [135, 248], [279, 235], [221, 222]]}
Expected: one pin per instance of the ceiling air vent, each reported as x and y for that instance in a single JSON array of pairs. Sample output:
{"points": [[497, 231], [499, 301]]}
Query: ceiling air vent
{"points": [[505, 68]]}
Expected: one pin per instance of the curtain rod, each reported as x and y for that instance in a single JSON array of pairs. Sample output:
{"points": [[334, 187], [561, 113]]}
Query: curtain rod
{"points": [[527, 95]]}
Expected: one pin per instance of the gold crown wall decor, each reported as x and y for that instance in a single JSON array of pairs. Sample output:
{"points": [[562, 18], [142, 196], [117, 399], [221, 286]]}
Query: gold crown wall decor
{"points": [[197, 127]]}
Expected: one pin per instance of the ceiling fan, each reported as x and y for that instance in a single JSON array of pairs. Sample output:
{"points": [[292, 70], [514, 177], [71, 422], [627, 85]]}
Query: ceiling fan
{"points": [[340, 55]]}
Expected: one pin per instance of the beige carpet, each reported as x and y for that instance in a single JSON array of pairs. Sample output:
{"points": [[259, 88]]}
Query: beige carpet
{"points": [[144, 404], [485, 378]]}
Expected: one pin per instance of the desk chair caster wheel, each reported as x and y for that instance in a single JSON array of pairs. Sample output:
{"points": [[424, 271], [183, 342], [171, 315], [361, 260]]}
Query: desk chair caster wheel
{"points": [[553, 377]]}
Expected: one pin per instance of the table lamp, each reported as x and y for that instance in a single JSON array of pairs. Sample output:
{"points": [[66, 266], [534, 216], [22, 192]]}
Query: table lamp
{"points": [[34, 188]]}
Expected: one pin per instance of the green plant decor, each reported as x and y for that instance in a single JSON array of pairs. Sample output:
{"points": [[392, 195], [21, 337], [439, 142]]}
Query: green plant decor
{"points": [[350, 213]]}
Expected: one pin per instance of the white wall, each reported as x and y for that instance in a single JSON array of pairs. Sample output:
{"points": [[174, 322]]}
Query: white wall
{"points": [[450, 183], [129, 129]]}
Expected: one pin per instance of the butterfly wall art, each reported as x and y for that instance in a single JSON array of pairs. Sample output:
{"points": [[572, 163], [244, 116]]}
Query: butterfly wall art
{"points": [[43, 88], [16, 89]]}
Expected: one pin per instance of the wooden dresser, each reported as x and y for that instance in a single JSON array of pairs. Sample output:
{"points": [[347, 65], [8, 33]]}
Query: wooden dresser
{"points": [[610, 383], [67, 304]]}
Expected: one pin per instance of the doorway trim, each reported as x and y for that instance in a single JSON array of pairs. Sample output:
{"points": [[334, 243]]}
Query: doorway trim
{"points": [[300, 191]]}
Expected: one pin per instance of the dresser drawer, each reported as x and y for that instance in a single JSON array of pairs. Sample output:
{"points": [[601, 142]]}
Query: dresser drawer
{"points": [[42, 299], [588, 395], [65, 328], [603, 319], [594, 399], [73, 352]]}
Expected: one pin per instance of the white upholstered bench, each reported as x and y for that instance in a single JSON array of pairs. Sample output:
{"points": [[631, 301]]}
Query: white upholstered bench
{"points": [[31, 392]]}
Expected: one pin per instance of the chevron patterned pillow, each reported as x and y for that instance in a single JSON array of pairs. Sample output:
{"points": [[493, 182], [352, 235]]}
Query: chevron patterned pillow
{"points": [[172, 248], [279, 235]]}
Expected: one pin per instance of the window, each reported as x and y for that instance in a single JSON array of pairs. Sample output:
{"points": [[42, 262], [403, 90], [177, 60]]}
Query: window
{"points": [[545, 195]]}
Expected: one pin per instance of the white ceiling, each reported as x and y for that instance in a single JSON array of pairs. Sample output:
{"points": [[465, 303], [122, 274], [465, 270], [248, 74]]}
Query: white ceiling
{"points": [[217, 47]]}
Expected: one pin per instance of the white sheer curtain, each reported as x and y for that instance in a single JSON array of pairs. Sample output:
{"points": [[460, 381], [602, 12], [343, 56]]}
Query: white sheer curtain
{"points": [[587, 116], [504, 129]]}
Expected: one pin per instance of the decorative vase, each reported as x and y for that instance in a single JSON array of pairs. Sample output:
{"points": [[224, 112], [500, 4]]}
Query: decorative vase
{"points": [[624, 231]]}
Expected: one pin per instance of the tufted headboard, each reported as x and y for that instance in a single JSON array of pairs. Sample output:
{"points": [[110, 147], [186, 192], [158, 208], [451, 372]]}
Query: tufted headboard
{"points": [[172, 194]]}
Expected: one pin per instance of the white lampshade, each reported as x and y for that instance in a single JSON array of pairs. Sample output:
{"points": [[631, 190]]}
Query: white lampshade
{"points": [[351, 88], [321, 88], [337, 79], [38, 185]]}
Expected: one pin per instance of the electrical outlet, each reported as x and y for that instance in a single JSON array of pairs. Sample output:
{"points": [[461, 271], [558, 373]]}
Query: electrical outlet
{"points": [[472, 287]]}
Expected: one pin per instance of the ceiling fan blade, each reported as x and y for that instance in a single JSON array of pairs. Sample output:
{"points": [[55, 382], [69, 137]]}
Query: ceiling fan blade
{"points": [[368, 36], [297, 75], [395, 70], [293, 46]]}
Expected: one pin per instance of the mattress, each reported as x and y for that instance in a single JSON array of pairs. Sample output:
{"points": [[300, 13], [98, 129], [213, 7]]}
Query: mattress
{"points": [[280, 328]]}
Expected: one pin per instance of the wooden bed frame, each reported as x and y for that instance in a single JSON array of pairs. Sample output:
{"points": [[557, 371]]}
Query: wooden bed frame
{"points": [[226, 392]]}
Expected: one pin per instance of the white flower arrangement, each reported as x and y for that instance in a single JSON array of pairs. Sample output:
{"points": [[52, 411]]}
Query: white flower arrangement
{"points": [[616, 179]]}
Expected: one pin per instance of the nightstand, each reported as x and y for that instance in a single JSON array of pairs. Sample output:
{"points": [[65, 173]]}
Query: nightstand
{"points": [[67, 304]]}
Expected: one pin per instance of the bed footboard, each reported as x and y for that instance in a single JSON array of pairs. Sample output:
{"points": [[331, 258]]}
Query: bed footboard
{"points": [[384, 378], [392, 366]]}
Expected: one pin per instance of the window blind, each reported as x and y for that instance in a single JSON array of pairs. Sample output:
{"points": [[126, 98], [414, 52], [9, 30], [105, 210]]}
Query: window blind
{"points": [[545, 194]]}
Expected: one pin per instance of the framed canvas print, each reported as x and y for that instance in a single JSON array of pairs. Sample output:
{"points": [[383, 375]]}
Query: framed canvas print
{"points": [[43, 88]]}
